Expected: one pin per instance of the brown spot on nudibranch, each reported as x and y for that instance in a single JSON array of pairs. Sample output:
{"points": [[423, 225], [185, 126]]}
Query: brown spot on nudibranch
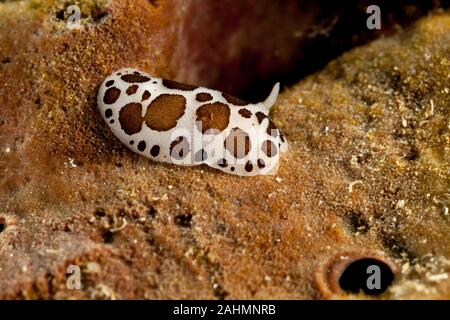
{"points": [[203, 97], [109, 83], [201, 155], [245, 113], [163, 113], [130, 118], [141, 146], [260, 116], [269, 148], [154, 151], [261, 163], [238, 143], [272, 129], [179, 148], [233, 100], [111, 95], [222, 163], [108, 113], [248, 166], [176, 85], [132, 89], [146, 95], [213, 116], [134, 78]]}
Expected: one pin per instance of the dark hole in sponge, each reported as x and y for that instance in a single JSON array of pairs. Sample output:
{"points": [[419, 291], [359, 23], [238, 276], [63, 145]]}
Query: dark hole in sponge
{"points": [[356, 222], [152, 211], [184, 220], [108, 236], [154, 3], [60, 15], [413, 154], [100, 213], [99, 14], [370, 275], [2, 224]]}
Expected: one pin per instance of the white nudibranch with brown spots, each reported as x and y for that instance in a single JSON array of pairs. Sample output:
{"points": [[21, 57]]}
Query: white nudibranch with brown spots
{"points": [[186, 125]]}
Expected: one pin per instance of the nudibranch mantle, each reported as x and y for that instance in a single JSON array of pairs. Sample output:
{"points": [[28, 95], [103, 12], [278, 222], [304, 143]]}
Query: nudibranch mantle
{"points": [[186, 125]]}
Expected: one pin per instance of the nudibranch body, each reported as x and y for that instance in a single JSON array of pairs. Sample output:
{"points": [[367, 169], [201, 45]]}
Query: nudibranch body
{"points": [[186, 125]]}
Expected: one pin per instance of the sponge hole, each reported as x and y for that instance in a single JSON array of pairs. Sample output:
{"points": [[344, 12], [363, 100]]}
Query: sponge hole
{"points": [[369, 275], [2, 224]]}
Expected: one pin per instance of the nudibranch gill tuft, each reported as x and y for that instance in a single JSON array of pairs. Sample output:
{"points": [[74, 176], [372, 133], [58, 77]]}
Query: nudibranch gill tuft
{"points": [[187, 125]]}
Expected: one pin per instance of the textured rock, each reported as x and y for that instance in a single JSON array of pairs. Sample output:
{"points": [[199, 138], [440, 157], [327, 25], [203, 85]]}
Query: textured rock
{"points": [[366, 176]]}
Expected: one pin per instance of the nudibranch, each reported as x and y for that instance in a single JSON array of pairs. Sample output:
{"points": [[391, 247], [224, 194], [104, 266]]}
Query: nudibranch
{"points": [[187, 125]]}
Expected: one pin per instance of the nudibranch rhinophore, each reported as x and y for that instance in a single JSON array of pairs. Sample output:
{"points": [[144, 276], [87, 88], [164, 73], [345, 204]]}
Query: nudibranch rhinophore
{"points": [[187, 125]]}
